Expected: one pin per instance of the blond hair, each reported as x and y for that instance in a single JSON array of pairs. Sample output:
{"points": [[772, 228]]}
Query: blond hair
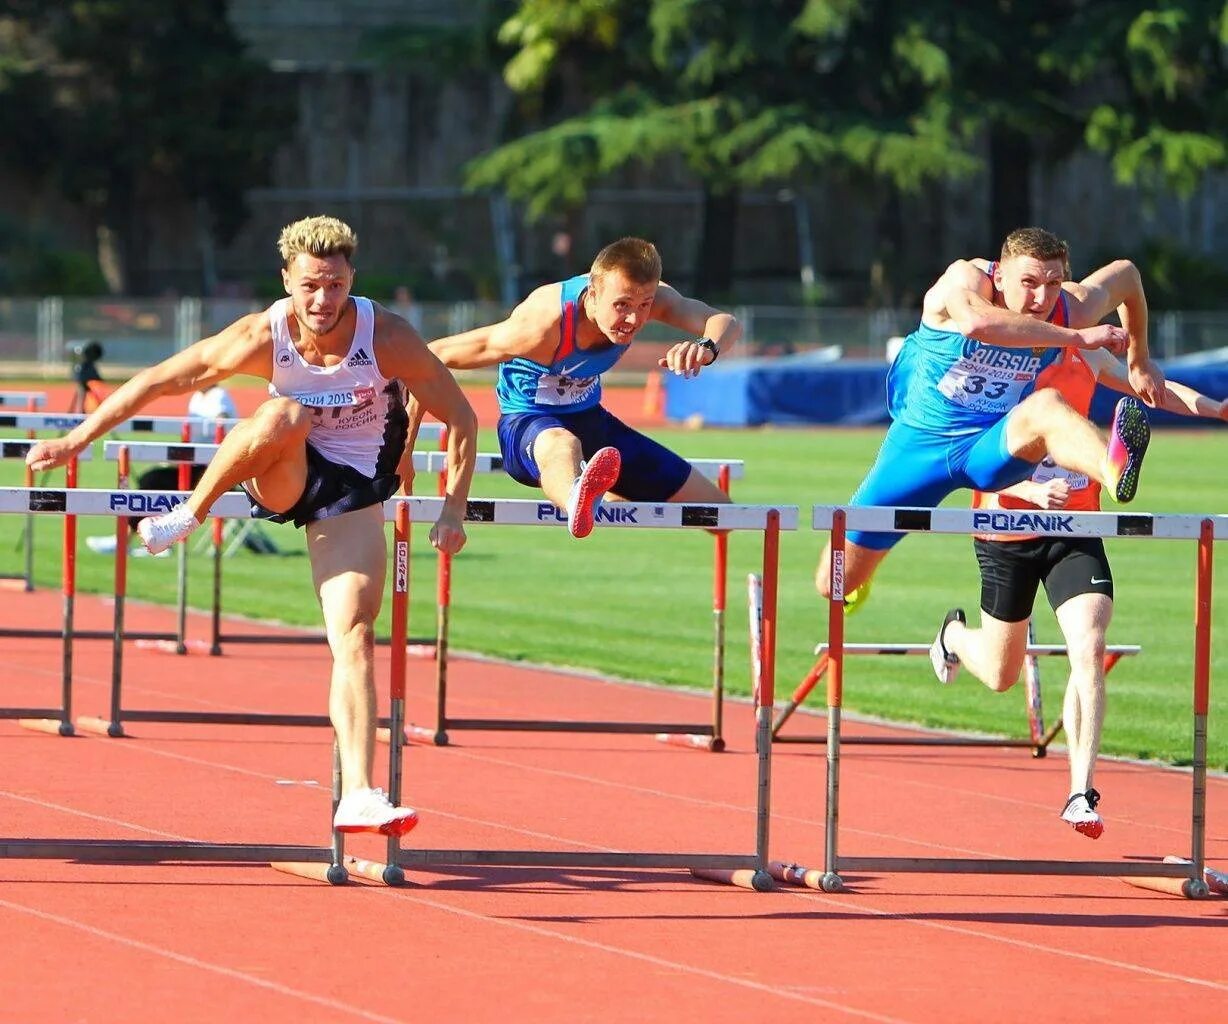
{"points": [[317, 236], [634, 257], [1039, 244]]}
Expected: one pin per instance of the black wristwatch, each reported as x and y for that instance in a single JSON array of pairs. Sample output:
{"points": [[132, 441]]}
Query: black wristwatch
{"points": [[710, 345]]}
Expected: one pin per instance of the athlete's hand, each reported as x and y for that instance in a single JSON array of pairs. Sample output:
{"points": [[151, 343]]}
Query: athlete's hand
{"points": [[1107, 336], [686, 358], [1051, 494], [448, 533], [52, 453], [1147, 380]]}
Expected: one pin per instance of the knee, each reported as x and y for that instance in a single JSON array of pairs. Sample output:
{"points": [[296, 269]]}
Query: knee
{"points": [[355, 640], [280, 416], [1002, 678], [1086, 652]]}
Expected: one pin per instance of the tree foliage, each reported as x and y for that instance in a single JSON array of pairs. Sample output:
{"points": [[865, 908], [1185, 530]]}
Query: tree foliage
{"points": [[783, 91], [116, 102]]}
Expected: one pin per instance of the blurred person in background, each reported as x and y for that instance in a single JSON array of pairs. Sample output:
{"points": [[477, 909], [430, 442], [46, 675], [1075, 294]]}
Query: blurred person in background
{"points": [[85, 375]]}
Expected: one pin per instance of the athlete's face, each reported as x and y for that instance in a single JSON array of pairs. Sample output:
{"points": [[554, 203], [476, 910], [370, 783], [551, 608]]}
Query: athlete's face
{"points": [[319, 288], [1030, 286], [618, 306]]}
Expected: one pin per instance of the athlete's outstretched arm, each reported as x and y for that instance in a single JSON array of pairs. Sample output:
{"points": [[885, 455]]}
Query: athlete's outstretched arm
{"points": [[1119, 286], [243, 347], [1174, 397], [974, 316], [697, 318], [402, 353]]}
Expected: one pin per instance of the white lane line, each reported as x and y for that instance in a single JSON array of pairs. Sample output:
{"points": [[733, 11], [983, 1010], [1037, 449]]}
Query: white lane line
{"points": [[1007, 940], [203, 965]]}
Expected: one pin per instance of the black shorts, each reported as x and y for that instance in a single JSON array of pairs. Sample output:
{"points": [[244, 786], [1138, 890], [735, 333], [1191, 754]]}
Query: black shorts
{"points": [[1012, 570], [331, 490]]}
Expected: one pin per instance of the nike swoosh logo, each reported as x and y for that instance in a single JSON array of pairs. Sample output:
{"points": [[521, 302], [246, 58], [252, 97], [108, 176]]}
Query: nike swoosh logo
{"points": [[1095, 581]]}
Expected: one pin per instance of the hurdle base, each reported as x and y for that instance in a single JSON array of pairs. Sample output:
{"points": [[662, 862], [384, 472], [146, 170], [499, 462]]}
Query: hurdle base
{"points": [[100, 727], [744, 878], [54, 726], [809, 878], [174, 647], [333, 874], [392, 875], [1188, 888], [414, 734], [692, 741]]}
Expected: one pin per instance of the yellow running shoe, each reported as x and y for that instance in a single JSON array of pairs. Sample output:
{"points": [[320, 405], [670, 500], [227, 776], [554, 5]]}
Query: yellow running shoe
{"points": [[855, 600]]}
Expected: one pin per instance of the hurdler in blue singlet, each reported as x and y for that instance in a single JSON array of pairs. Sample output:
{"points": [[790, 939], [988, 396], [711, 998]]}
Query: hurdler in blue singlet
{"points": [[566, 393], [949, 397]]}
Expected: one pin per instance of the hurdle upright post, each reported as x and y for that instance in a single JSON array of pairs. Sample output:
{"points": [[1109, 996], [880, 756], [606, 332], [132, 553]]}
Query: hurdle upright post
{"points": [[443, 622], [219, 535], [765, 697], [185, 484], [31, 406], [1031, 682], [393, 873], [114, 727], [831, 881], [1202, 698], [720, 587]]}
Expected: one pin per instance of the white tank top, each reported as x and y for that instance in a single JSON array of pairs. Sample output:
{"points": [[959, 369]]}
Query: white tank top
{"points": [[358, 414]]}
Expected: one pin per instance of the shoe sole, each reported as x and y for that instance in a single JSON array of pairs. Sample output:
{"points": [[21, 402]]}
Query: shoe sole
{"points": [[1131, 433], [399, 827], [598, 477], [1091, 829]]}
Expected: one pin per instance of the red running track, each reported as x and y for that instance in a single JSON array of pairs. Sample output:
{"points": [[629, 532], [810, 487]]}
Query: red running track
{"points": [[206, 943]]}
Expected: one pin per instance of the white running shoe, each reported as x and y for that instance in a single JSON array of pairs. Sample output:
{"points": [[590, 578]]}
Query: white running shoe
{"points": [[369, 810], [1080, 811], [596, 477], [946, 664], [104, 545], [160, 532]]}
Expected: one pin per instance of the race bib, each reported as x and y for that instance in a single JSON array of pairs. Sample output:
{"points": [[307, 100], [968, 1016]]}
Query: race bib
{"points": [[1050, 470], [335, 399], [553, 389], [982, 388]]}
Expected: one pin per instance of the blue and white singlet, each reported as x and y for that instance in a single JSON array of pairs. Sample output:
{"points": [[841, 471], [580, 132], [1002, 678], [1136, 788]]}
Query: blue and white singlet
{"points": [[571, 382]]}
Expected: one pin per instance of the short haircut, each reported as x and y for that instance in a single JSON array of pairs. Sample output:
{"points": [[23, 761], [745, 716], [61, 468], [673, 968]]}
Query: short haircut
{"points": [[1039, 244], [634, 257], [317, 236]]}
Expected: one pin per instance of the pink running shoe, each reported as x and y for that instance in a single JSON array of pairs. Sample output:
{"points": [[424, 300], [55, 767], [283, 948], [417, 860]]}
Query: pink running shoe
{"points": [[370, 810], [160, 532], [596, 477], [1128, 440]]}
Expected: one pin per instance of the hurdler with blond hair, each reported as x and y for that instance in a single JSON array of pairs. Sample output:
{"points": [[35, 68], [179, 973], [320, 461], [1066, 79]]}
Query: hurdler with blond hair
{"points": [[321, 452]]}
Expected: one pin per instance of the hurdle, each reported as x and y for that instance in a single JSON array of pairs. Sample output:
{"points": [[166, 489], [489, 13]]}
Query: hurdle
{"points": [[703, 737], [1038, 739], [1187, 877], [746, 870], [707, 737], [31, 400]]}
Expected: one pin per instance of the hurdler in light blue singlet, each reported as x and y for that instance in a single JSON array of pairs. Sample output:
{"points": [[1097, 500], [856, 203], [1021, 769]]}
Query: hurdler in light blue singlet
{"points": [[571, 381], [946, 383]]}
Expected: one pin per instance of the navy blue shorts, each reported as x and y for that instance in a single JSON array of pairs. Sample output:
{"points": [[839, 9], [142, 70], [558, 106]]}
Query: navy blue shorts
{"points": [[331, 490], [650, 471]]}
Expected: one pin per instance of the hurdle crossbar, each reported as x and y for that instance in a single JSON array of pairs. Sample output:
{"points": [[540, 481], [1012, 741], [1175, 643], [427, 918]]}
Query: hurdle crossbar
{"points": [[1203, 529], [141, 424], [30, 400]]}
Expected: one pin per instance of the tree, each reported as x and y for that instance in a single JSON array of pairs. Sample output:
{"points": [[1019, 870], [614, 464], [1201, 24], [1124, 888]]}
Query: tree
{"points": [[742, 94], [126, 104]]}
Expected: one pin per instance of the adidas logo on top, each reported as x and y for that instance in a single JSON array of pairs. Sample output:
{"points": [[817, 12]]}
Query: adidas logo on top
{"points": [[359, 358]]}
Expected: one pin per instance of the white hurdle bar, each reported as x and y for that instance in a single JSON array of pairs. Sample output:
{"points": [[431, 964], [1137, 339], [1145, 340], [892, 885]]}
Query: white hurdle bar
{"points": [[1185, 878], [31, 400], [705, 737], [747, 870]]}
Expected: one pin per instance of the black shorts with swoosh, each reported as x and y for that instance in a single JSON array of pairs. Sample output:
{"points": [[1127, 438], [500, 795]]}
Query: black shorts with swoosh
{"points": [[1011, 572]]}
